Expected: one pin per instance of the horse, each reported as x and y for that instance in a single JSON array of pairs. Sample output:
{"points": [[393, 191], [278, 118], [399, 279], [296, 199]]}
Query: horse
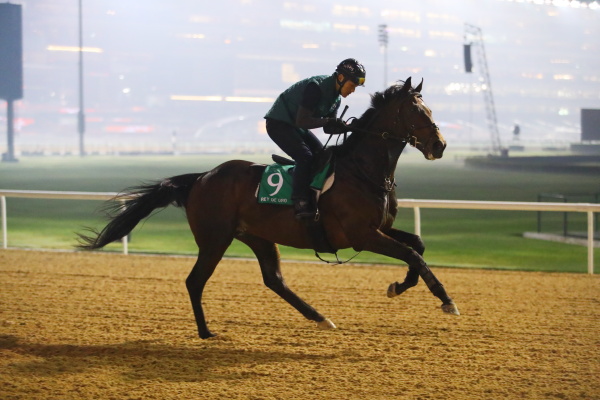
{"points": [[357, 212]]}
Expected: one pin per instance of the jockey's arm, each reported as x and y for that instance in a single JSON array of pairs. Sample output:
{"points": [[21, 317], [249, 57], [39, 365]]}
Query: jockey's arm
{"points": [[305, 118]]}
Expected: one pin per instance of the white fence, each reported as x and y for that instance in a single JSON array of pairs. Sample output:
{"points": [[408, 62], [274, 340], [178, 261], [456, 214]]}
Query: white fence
{"points": [[47, 194], [416, 205]]}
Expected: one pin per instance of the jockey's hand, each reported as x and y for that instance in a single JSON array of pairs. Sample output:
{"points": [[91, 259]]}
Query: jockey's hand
{"points": [[335, 126], [353, 124]]}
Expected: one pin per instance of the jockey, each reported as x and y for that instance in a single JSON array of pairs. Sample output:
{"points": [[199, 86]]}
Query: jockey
{"points": [[310, 103]]}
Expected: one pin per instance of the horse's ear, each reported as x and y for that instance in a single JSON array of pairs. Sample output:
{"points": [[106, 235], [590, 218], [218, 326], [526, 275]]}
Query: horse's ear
{"points": [[418, 88], [407, 83]]}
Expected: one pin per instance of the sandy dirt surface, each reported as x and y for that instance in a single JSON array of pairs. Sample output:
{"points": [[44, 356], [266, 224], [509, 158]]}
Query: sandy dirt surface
{"points": [[107, 326]]}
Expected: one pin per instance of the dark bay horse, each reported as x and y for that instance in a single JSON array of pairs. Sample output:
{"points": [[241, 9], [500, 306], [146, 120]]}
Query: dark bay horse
{"points": [[357, 212]]}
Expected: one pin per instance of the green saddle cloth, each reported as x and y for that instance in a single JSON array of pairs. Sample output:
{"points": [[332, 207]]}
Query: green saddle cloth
{"points": [[276, 184]]}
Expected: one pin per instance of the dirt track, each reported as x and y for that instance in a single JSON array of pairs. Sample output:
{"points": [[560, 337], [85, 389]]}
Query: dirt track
{"points": [[82, 326]]}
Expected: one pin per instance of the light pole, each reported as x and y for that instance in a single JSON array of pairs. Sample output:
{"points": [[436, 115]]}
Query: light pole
{"points": [[11, 68], [80, 114], [383, 42]]}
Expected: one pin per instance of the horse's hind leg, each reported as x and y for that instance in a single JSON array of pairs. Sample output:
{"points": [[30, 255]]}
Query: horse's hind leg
{"points": [[268, 258], [208, 258]]}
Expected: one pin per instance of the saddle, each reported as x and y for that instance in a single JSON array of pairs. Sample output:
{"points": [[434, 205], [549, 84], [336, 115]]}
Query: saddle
{"points": [[276, 188]]}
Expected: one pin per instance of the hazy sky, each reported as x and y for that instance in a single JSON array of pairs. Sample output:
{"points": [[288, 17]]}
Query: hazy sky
{"points": [[543, 61]]}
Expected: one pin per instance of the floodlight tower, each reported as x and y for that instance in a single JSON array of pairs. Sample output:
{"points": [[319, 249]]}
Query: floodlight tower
{"points": [[11, 68], [474, 38], [383, 42], [80, 114]]}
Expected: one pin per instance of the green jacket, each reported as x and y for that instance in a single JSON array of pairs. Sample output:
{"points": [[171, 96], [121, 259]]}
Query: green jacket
{"points": [[286, 105]]}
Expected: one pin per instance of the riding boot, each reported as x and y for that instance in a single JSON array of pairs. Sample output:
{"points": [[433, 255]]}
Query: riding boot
{"points": [[303, 208]]}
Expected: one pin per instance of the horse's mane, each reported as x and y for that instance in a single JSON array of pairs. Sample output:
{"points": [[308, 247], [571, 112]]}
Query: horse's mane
{"points": [[378, 101]]}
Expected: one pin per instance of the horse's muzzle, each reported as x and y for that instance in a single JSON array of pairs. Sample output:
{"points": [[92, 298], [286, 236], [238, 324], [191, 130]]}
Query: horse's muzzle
{"points": [[437, 149]]}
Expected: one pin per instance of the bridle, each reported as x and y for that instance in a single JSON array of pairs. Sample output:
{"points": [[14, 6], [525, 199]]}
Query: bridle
{"points": [[408, 138]]}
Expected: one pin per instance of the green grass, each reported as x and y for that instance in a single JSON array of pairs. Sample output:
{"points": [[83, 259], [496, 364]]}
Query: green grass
{"points": [[465, 238]]}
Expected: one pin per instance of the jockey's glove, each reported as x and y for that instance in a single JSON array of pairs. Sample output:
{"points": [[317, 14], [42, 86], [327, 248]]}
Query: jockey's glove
{"points": [[336, 126]]}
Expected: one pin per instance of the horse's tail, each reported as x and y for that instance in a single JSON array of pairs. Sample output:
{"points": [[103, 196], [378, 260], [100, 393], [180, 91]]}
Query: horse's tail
{"points": [[136, 204]]}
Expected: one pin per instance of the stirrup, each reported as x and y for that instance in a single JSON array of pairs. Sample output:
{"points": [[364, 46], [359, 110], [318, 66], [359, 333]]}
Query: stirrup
{"points": [[305, 215], [302, 210]]}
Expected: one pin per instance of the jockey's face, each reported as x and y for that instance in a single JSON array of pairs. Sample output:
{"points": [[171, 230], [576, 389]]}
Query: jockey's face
{"points": [[348, 88]]}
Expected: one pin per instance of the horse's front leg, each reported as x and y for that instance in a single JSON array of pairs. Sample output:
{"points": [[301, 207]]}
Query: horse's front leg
{"points": [[388, 246], [410, 239], [412, 276]]}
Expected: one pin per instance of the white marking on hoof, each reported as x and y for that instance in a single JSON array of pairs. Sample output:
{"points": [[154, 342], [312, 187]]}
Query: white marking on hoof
{"points": [[450, 309], [326, 324], [392, 290]]}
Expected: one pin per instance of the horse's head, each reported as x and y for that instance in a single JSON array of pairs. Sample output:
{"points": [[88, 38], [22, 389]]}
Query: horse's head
{"points": [[411, 120], [399, 112], [415, 118]]}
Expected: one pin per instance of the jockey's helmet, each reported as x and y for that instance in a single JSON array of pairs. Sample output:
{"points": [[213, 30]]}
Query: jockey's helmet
{"points": [[352, 70]]}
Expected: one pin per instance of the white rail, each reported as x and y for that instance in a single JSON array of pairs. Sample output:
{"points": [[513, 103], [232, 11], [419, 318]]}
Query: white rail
{"points": [[588, 208], [48, 194], [416, 205]]}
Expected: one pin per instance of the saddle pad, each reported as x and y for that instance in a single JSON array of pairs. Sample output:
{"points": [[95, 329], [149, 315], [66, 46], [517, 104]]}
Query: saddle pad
{"points": [[276, 184]]}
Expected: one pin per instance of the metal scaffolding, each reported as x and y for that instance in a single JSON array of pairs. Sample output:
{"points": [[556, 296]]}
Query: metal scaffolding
{"points": [[474, 39]]}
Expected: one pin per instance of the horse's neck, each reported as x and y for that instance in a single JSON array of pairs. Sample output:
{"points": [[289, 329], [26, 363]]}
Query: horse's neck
{"points": [[378, 157]]}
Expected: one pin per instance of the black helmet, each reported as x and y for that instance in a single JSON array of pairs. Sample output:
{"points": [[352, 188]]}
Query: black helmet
{"points": [[352, 70]]}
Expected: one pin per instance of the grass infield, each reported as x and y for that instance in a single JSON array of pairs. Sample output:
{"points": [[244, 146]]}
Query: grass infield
{"points": [[461, 238]]}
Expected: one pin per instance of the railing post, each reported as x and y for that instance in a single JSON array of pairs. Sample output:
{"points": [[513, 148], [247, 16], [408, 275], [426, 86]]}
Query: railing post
{"points": [[125, 245], [417, 211], [4, 229], [590, 221], [539, 216], [597, 198], [565, 221], [124, 239]]}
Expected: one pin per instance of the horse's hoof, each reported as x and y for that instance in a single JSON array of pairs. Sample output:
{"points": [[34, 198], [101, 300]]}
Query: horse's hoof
{"points": [[450, 309], [207, 335], [391, 292], [326, 324]]}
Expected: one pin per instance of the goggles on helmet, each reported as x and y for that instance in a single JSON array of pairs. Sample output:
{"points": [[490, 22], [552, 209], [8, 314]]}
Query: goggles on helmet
{"points": [[358, 81]]}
